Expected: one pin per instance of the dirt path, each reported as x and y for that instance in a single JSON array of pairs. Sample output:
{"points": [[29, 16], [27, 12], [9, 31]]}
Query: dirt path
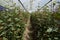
{"points": [[27, 31]]}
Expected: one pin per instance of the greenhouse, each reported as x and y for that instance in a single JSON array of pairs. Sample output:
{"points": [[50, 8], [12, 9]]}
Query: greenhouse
{"points": [[29, 19]]}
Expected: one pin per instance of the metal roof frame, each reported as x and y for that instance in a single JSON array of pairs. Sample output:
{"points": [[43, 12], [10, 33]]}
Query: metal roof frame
{"points": [[23, 6], [45, 4]]}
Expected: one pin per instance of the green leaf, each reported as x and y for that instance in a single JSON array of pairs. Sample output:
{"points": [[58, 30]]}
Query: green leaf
{"points": [[49, 30], [1, 21]]}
